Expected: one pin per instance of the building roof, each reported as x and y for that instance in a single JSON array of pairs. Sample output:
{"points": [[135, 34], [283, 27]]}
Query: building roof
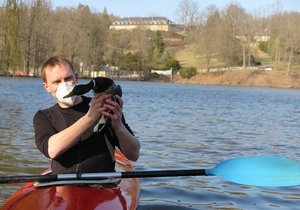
{"points": [[143, 21]]}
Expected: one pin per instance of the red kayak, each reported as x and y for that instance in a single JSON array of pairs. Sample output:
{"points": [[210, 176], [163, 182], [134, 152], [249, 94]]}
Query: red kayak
{"points": [[121, 194]]}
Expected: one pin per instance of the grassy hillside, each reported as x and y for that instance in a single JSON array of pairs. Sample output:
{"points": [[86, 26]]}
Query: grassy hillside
{"points": [[185, 52]]}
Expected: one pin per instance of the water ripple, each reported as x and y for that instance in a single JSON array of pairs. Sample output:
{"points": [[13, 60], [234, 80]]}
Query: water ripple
{"points": [[180, 127]]}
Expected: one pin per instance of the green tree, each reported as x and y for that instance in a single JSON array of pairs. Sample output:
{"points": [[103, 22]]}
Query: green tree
{"points": [[158, 42], [133, 62], [165, 56], [173, 63], [156, 50]]}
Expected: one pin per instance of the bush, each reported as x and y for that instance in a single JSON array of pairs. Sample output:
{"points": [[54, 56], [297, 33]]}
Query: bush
{"points": [[187, 72], [173, 63], [264, 46]]}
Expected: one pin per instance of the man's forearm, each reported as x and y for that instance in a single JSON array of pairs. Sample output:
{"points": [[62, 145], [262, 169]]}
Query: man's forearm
{"points": [[62, 141], [129, 144]]}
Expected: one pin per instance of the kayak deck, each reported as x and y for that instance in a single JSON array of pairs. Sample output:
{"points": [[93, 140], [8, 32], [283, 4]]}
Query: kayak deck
{"points": [[123, 194]]}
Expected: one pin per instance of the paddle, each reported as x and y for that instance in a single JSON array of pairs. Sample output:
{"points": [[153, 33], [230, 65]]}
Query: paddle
{"points": [[257, 171]]}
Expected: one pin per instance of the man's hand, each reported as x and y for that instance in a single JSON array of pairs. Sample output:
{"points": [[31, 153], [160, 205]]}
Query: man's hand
{"points": [[97, 106], [113, 111]]}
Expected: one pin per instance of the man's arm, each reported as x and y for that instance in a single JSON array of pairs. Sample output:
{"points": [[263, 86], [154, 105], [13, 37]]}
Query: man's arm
{"points": [[129, 144], [65, 139]]}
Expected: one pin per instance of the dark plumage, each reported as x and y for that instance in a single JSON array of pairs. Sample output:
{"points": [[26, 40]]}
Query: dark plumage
{"points": [[98, 84]]}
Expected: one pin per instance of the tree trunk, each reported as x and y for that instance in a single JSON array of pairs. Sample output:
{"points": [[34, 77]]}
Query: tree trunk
{"points": [[244, 56], [290, 61]]}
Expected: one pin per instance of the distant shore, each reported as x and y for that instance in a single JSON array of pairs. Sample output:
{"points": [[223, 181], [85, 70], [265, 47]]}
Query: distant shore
{"points": [[272, 79], [243, 78]]}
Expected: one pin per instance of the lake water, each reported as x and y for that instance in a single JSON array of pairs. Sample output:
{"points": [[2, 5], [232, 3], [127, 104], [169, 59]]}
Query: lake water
{"points": [[179, 127]]}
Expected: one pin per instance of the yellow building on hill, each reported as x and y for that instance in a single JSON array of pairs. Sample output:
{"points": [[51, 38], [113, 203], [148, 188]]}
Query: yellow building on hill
{"points": [[151, 23]]}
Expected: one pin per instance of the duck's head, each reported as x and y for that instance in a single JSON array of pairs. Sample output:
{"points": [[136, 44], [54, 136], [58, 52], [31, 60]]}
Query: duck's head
{"points": [[98, 85]]}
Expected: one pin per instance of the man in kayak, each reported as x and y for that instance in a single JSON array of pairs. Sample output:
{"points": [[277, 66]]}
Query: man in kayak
{"points": [[66, 131]]}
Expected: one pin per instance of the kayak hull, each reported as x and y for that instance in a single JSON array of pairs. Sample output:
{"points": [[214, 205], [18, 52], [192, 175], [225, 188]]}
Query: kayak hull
{"points": [[124, 195]]}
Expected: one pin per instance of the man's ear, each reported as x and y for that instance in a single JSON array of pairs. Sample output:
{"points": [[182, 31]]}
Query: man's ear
{"points": [[45, 85]]}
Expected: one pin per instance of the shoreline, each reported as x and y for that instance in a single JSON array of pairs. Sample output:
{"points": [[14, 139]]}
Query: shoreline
{"points": [[259, 78]]}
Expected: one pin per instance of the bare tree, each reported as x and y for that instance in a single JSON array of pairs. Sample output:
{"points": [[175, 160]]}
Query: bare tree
{"points": [[12, 54], [240, 27], [291, 38], [42, 44], [187, 11], [2, 40], [31, 14], [285, 40], [98, 32], [210, 40]]}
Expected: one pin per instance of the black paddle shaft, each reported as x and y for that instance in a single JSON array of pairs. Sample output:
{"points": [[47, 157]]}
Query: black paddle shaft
{"points": [[29, 178], [127, 174], [163, 173]]}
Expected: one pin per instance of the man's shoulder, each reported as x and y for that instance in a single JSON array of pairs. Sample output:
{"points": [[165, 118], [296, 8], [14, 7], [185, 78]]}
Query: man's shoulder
{"points": [[46, 111]]}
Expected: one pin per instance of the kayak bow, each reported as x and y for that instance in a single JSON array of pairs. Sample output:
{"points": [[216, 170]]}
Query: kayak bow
{"points": [[110, 194]]}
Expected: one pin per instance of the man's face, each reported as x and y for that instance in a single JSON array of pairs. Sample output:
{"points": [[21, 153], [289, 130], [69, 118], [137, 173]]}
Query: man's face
{"points": [[57, 75]]}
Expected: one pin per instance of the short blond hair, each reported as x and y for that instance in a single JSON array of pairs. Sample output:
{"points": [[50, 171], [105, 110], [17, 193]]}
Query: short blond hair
{"points": [[54, 61]]}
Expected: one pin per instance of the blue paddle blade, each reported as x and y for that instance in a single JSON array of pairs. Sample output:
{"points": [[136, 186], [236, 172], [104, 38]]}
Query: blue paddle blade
{"points": [[259, 171]]}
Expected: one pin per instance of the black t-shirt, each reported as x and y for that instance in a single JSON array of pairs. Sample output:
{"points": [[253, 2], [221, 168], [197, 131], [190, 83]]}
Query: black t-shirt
{"points": [[91, 154]]}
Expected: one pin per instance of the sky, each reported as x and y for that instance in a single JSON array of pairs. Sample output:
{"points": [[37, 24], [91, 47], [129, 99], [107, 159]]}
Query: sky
{"points": [[167, 8]]}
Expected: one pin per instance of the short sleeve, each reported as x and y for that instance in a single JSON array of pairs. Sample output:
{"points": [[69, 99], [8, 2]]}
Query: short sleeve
{"points": [[43, 131]]}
